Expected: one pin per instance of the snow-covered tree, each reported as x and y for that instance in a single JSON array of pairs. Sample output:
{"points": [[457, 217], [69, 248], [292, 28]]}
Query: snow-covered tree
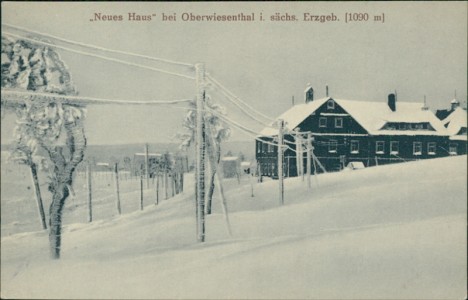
{"points": [[216, 132], [49, 125]]}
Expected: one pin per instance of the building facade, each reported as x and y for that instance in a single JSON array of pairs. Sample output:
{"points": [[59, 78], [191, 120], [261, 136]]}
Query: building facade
{"points": [[346, 131]]}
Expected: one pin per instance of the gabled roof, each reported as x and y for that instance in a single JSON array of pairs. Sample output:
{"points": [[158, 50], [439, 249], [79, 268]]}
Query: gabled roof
{"points": [[372, 116], [455, 121]]}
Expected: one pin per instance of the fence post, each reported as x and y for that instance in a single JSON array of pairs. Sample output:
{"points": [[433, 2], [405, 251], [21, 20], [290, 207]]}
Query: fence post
{"points": [[200, 151], [166, 182], [117, 191], [90, 195], [280, 161], [157, 188], [251, 183], [147, 171], [141, 191], [309, 150]]}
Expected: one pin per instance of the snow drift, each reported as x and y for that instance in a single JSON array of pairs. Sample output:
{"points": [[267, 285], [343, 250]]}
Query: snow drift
{"points": [[394, 231]]}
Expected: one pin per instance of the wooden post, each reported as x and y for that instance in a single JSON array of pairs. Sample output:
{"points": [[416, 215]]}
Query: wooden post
{"points": [[315, 167], [37, 192], [251, 184], [309, 150], [166, 182], [223, 202], [200, 150], [117, 192], [280, 161], [147, 171], [260, 174], [221, 192], [141, 191], [157, 188], [90, 195], [182, 181], [172, 183]]}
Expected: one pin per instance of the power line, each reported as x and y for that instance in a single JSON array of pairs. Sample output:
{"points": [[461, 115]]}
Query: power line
{"points": [[246, 130], [237, 98], [96, 47], [97, 55], [230, 99], [226, 119], [20, 96]]}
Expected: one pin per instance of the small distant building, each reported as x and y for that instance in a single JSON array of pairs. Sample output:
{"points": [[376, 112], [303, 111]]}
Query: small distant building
{"points": [[230, 166], [102, 167]]}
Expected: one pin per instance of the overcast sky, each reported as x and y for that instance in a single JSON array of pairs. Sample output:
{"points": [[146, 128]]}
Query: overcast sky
{"points": [[420, 49]]}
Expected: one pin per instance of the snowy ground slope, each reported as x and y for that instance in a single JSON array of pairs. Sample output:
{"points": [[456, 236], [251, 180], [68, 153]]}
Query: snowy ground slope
{"points": [[396, 231]]}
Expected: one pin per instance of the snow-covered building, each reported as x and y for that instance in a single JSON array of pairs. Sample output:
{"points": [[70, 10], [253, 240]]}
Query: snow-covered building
{"points": [[230, 166], [354, 131], [456, 123]]}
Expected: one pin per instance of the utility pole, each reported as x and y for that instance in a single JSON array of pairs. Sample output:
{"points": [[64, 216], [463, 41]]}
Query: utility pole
{"points": [[200, 151], [309, 153], [280, 161]]}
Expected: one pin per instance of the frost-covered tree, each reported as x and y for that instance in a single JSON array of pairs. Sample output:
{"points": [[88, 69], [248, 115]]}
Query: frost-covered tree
{"points": [[217, 131], [49, 126]]}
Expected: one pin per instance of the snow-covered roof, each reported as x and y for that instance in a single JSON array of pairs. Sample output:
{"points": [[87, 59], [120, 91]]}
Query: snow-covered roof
{"points": [[226, 158], [245, 164], [294, 116], [372, 116], [455, 121], [454, 101], [149, 154]]}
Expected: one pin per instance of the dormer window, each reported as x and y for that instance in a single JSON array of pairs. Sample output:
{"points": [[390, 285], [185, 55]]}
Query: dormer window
{"points": [[331, 104]]}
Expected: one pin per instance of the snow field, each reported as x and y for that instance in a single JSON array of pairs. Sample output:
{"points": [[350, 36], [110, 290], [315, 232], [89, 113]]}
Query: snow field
{"points": [[395, 231]]}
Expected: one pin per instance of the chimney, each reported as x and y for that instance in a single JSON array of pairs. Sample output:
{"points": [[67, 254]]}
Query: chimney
{"points": [[454, 104], [326, 90], [392, 101], [425, 107], [309, 94]]}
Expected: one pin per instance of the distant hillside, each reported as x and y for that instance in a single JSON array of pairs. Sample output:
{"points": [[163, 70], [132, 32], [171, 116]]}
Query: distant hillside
{"points": [[107, 153]]}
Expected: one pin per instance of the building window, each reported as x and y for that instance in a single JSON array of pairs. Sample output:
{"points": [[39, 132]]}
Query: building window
{"points": [[331, 104], [332, 146], [354, 147], [323, 122], [270, 148], [453, 149], [264, 147], [431, 148], [259, 147], [339, 122], [417, 148], [380, 147], [394, 147]]}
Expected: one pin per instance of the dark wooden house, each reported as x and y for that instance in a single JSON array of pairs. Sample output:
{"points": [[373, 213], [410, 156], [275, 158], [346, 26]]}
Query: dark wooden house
{"points": [[345, 131]]}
